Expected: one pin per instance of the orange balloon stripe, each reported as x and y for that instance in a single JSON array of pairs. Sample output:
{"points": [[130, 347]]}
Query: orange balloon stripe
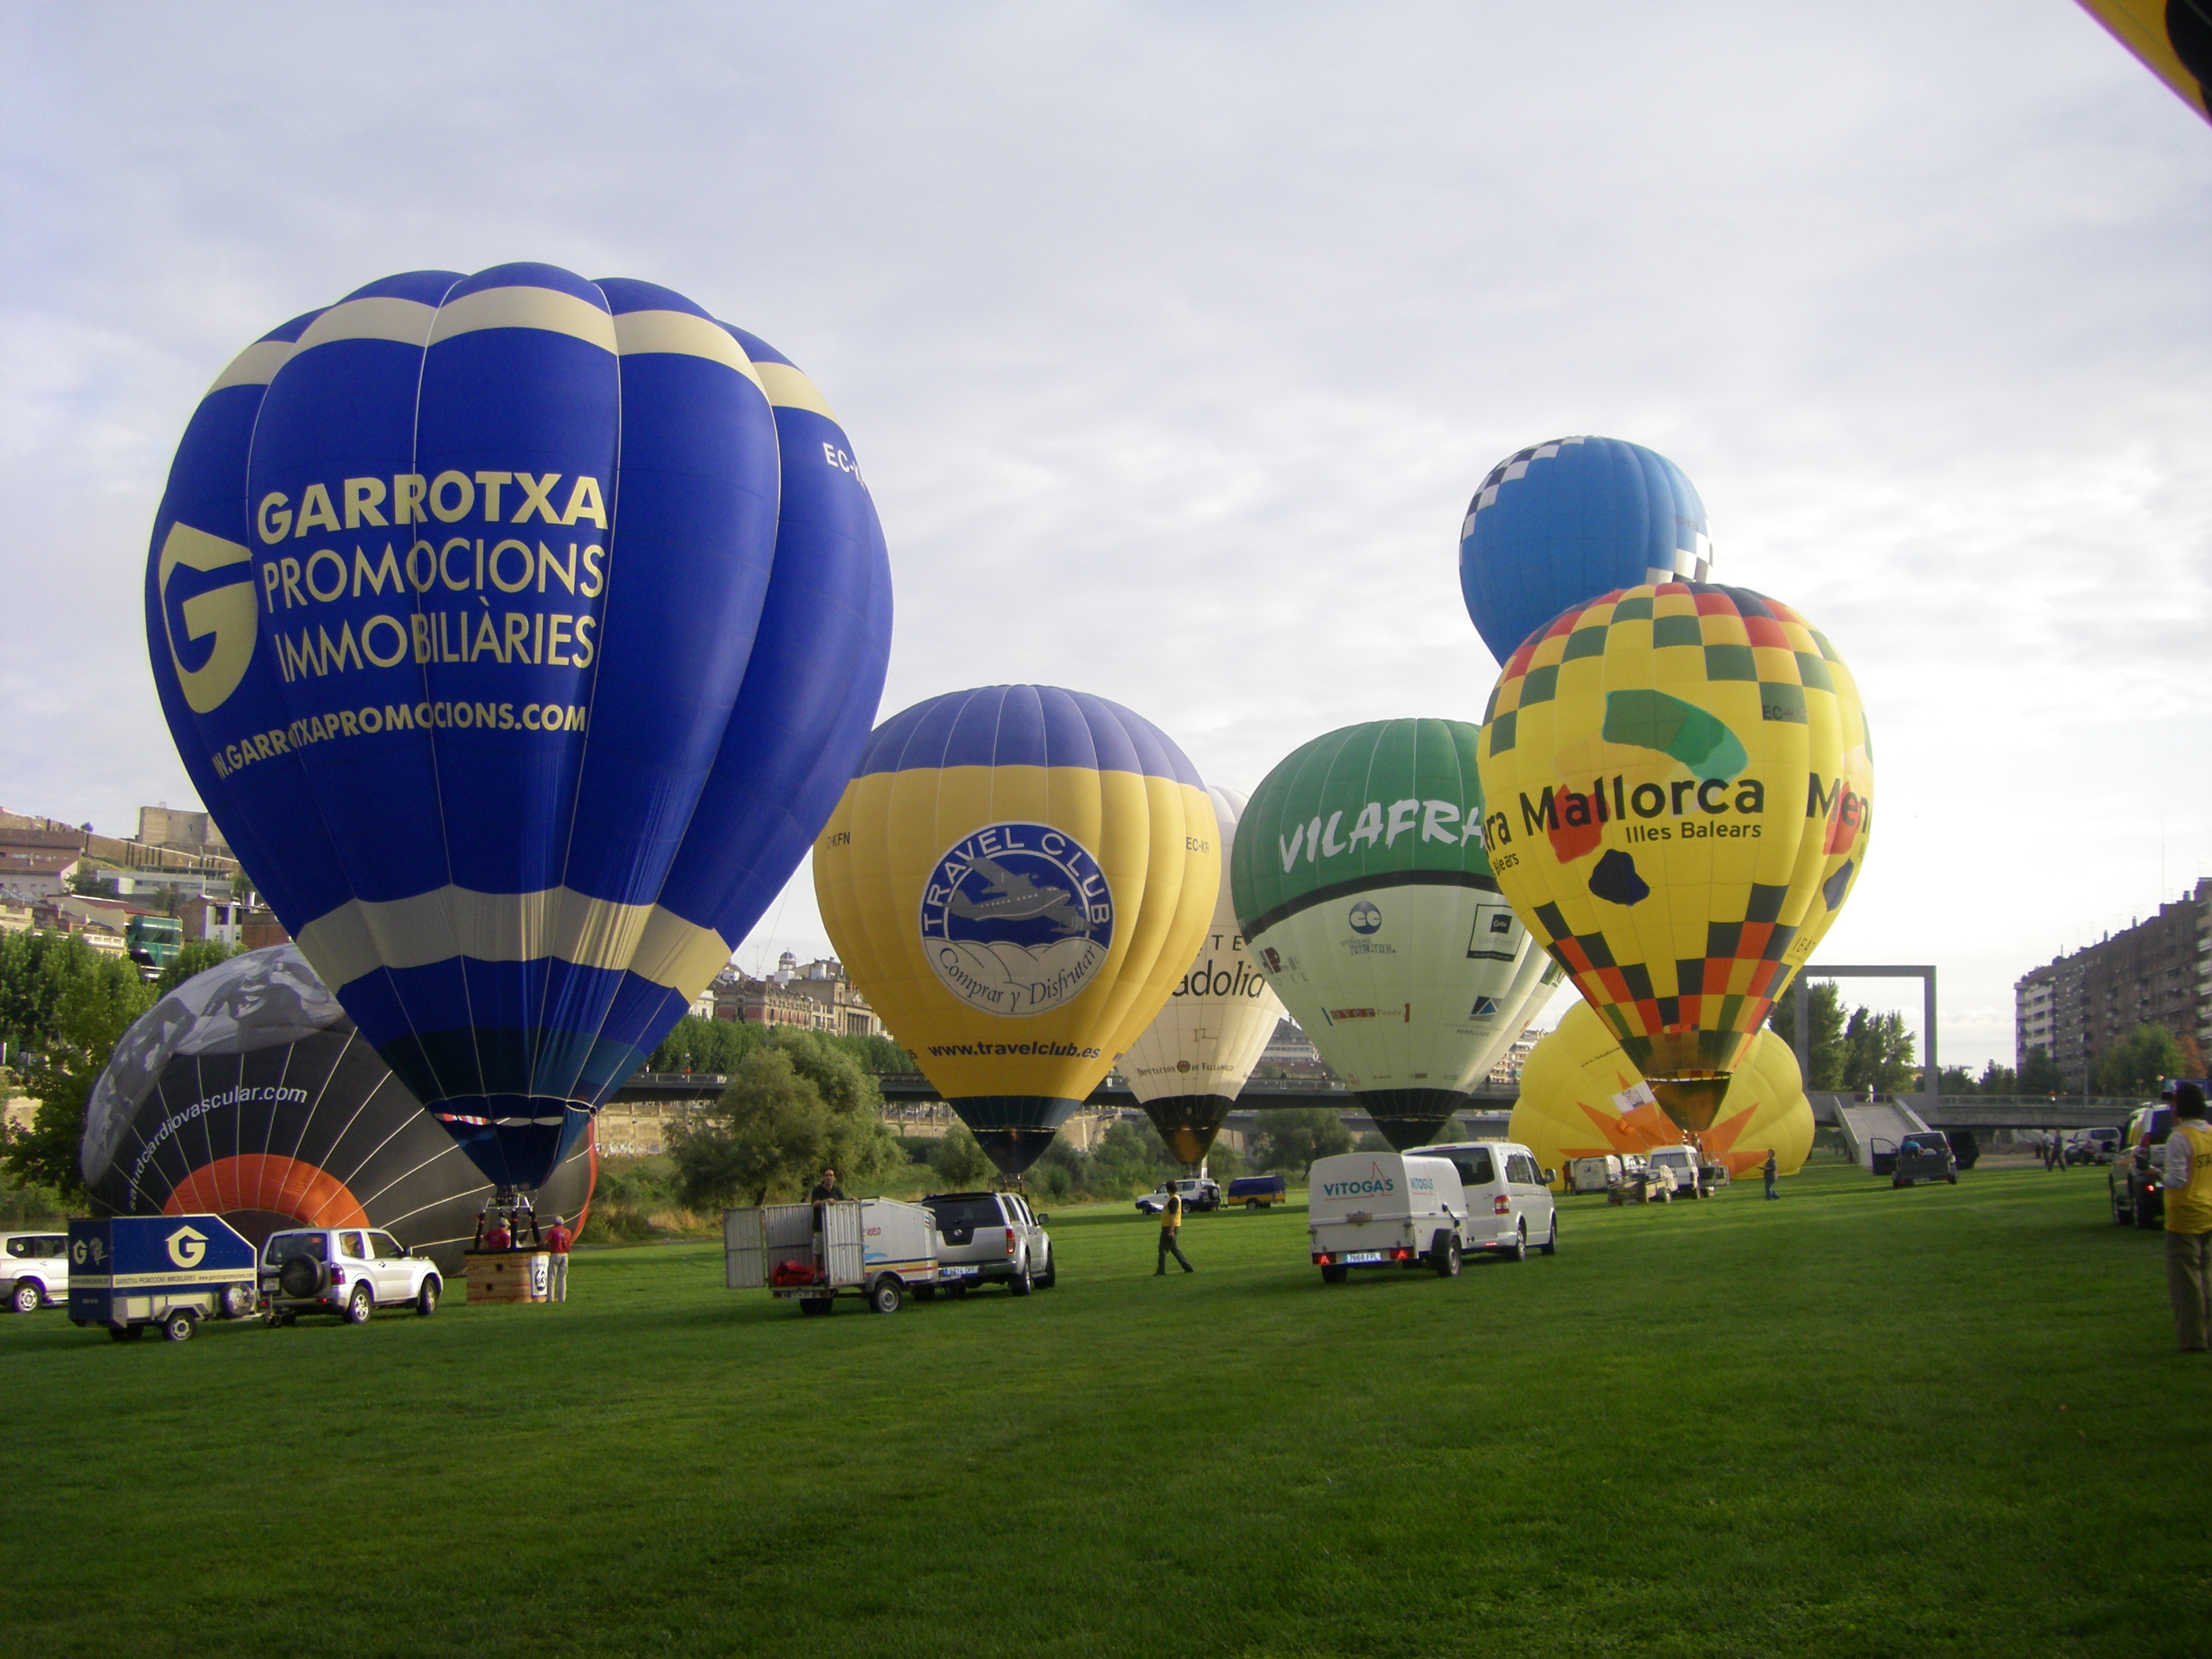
{"points": [[267, 1181]]}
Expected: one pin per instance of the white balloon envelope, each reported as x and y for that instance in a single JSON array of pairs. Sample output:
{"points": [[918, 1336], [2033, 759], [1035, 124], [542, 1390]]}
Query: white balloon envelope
{"points": [[1188, 1066]]}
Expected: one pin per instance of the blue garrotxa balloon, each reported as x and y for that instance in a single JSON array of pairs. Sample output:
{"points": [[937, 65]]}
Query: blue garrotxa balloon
{"points": [[520, 632], [1562, 522]]}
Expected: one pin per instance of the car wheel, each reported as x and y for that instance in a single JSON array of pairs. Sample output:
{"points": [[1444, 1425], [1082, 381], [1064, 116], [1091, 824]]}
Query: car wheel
{"points": [[925, 1292], [815, 1305], [2123, 1209], [1445, 1259], [1051, 1276], [1021, 1284], [1518, 1249], [1551, 1244], [957, 1290], [125, 1333], [360, 1305], [1335, 1275], [29, 1295], [177, 1326], [426, 1300], [2143, 1218], [886, 1295]]}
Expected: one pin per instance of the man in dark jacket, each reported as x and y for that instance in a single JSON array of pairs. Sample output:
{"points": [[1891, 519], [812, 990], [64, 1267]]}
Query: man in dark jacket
{"points": [[826, 1188], [1770, 1172]]}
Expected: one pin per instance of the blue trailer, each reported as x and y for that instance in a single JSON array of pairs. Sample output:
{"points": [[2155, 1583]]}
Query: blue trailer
{"points": [[128, 1272]]}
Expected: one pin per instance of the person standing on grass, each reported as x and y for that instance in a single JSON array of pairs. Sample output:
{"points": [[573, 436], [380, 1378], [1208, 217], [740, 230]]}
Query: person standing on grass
{"points": [[1171, 1224], [2189, 1219], [558, 1238], [1770, 1172]]}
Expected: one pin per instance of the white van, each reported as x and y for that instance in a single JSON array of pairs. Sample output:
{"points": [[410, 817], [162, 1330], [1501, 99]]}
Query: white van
{"points": [[1380, 1210], [1509, 1197]]}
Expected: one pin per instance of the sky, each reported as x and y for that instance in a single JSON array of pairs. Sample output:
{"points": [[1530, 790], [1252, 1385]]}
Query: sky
{"points": [[1173, 341]]}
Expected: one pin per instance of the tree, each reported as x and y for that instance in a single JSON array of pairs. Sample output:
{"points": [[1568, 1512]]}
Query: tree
{"points": [[1878, 1052], [1999, 1080], [1825, 1032], [1290, 1140], [960, 1161], [1958, 1080], [67, 1004], [793, 1107], [2135, 1064], [195, 957], [2192, 1058], [2040, 1073]]}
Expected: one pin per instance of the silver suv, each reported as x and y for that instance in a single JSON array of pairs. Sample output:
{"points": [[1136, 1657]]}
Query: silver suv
{"points": [[34, 1267], [349, 1271], [991, 1235]]}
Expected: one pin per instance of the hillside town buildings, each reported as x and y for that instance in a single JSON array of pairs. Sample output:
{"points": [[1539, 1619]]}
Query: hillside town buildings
{"points": [[815, 996]]}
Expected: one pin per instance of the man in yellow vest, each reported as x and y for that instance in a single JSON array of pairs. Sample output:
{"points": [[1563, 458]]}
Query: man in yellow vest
{"points": [[1170, 1224], [2189, 1219]]}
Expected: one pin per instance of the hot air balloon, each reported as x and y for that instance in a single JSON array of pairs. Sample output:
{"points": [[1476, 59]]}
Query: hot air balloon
{"points": [[1680, 790], [1580, 1098], [1561, 522], [247, 1093], [2173, 39], [1187, 1067], [1017, 878], [520, 632], [1362, 888]]}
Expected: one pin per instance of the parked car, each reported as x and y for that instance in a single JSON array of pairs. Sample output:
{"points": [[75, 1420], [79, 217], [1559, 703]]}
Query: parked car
{"points": [[34, 1267], [2137, 1184], [1645, 1183], [1257, 1192], [992, 1238], [1509, 1196], [1384, 1210], [1693, 1177], [350, 1271], [2092, 1147], [1197, 1193], [1924, 1155]]}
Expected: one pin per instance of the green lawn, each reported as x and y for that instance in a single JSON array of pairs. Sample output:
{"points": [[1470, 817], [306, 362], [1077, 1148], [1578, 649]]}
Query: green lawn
{"points": [[1856, 1422]]}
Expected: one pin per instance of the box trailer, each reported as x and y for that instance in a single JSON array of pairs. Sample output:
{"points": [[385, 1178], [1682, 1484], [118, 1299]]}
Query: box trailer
{"points": [[128, 1272], [1380, 1210], [811, 1254]]}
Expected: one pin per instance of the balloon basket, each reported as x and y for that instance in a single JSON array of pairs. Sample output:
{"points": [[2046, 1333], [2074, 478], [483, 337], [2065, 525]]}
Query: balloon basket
{"points": [[509, 1276], [1691, 1103]]}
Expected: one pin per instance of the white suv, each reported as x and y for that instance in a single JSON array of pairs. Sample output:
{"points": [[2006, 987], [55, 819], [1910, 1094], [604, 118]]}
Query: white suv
{"points": [[349, 1271], [1509, 1197], [34, 1267]]}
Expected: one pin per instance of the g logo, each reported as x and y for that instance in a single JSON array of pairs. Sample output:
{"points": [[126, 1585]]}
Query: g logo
{"points": [[227, 612], [187, 1246]]}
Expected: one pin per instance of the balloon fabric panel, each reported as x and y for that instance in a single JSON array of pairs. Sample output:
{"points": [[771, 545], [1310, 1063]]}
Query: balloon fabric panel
{"points": [[2173, 39], [556, 654], [1681, 794]]}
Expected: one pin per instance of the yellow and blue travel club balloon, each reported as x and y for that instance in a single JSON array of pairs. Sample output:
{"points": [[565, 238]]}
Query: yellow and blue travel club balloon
{"points": [[519, 631], [1017, 878], [1678, 788]]}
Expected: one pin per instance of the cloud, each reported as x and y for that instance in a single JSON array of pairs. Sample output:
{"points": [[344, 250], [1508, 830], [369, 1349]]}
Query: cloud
{"points": [[1174, 342]]}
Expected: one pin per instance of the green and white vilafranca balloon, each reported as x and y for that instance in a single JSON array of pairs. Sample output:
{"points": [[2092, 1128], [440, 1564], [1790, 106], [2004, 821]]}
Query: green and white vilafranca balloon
{"points": [[1360, 881], [1188, 1066]]}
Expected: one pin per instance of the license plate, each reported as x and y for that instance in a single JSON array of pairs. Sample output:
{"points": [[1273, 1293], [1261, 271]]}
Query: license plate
{"points": [[1358, 1257], [961, 1273]]}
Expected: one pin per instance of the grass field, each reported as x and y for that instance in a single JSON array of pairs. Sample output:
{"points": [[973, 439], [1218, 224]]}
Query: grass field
{"points": [[1857, 1422]]}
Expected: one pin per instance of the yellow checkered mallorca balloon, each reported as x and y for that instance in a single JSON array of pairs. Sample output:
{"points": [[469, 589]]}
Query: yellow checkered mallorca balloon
{"points": [[1679, 789]]}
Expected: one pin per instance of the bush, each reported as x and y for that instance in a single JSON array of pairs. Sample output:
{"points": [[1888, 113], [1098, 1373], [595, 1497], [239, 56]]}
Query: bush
{"points": [[1290, 1140], [960, 1161]]}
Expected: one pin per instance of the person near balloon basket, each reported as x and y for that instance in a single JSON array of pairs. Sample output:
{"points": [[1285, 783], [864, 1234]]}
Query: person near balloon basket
{"points": [[1171, 1225], [1771, 1169], [2189, 1219], [558, 1238]]}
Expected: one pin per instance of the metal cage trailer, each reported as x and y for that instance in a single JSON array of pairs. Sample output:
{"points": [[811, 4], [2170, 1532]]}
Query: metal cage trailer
{"points": [[128, 1272], [811, 1254]]}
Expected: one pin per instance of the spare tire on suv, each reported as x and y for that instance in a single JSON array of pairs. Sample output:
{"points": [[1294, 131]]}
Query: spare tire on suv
{"points": [[301, 1276]]}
